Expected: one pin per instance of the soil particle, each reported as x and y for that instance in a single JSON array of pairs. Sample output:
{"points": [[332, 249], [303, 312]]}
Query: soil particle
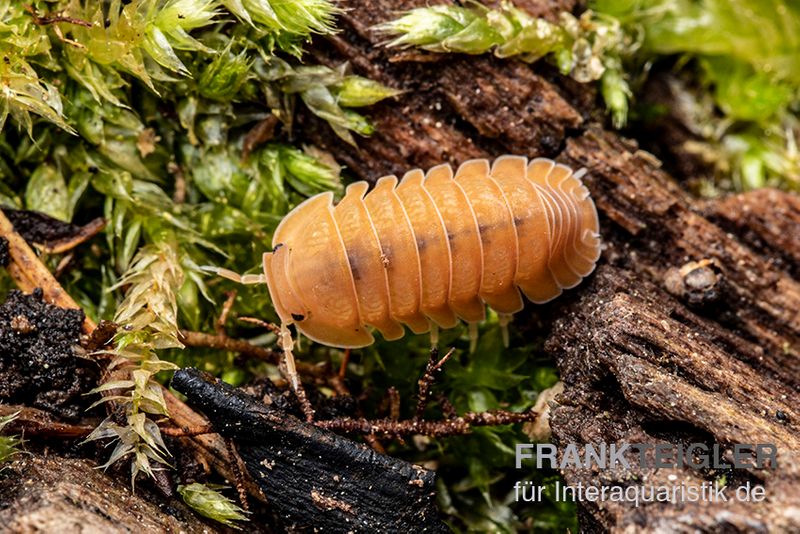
{"points": [[38, 364]]}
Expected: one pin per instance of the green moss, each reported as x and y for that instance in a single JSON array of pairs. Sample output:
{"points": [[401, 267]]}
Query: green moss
{"points": [[207, 501], [9, 445]]}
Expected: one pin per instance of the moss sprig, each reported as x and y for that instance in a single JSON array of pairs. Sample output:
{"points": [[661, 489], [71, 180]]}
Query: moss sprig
{"points": [[208, 501], [9, 445], [148, 320], [105, 47], [587, 48], [24, 45], [330, 93]]}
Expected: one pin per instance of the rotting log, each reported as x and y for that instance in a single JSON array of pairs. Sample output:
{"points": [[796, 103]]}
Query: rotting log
{"points": [[689, 330], [642, 364], [313, 478], [69, 495]]}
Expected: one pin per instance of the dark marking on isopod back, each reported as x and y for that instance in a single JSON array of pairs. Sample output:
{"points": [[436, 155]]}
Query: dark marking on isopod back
{"points": [[276, 247], [353, 266]]}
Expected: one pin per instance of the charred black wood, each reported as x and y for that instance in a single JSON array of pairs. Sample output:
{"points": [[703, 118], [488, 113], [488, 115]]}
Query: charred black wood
{"points": [[314, 478]]}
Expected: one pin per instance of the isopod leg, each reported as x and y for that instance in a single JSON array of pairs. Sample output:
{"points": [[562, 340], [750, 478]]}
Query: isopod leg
{"points": [[246, 279], [473, 337], [505, 318], [434, 334], [286, 344]]}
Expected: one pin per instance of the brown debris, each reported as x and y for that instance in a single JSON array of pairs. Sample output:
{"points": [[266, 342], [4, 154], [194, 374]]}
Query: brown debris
{"points": [[32, 422], [147, 141], [696, 282], [262, 132]]}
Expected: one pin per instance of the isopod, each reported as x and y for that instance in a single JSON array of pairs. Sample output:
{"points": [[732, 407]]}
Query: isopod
{"points": [[431, 249]]}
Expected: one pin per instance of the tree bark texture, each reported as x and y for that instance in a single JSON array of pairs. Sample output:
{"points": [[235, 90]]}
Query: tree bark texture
{"points": [[48, 493]]}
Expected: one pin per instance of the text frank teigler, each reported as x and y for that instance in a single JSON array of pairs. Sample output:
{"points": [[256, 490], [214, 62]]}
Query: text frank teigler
{"points": [[641, 460]]}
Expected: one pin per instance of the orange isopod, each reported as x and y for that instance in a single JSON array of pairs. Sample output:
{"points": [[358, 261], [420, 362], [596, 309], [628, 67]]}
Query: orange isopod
{"points": [[431, 249]]}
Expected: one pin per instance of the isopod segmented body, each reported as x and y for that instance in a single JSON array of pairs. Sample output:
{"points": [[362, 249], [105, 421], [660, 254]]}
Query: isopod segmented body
{"points": [[431, 249]]}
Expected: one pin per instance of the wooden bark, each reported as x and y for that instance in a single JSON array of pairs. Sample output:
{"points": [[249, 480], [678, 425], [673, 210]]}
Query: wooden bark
{"points": [[648, 351], [313, 478], [69, 495], [642, 365]]}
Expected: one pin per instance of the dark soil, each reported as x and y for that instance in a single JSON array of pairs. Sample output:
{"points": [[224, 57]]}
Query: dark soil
{"points": [[37, 227], [38, 363]]}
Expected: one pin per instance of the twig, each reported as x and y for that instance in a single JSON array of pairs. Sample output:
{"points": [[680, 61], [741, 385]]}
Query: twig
{"points": [[372, 441], [240, 469], [84, 233], [343, 366], [223, 342], [186, 432], [33, 422], [272, 327], [394, 409], [262, 132], [28, 272], [394, 403], [53, 18], [338, 385], [428, 378], [447, 427], [448, 410], [63, 265], [226, 310]]}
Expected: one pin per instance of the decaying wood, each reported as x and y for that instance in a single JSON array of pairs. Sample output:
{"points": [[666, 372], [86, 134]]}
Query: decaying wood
{"points": [[312, 477], [454, 107], [68, 495], [651, 226], [642, 357], [32, 422], [641, 365]]}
